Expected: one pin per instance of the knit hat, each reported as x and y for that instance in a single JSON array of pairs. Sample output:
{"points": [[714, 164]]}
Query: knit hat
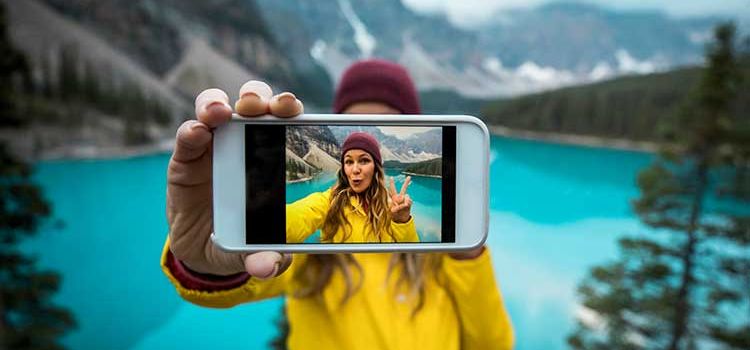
{"points": [[379, 81], [363, 141]]}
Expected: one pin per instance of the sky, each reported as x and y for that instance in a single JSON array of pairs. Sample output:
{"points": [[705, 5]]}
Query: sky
{"points": [[466, 12], [404, 132]]}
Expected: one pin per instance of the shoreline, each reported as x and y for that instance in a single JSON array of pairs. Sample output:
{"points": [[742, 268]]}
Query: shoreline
{"points": [[422, 175], [79, 152], [66, 153], [575, 140], [304, 179]]}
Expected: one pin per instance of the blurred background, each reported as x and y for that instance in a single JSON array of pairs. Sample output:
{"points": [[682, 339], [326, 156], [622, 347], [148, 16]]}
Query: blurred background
{"points": [[620, 170]]}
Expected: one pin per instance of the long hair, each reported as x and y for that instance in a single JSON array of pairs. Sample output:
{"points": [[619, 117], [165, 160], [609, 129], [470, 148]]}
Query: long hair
{"points": [[374, 200], [318, 269]]}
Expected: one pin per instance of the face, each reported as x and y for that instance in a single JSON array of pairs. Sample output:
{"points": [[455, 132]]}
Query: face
{"points": [[359, 168], [370, 108]]}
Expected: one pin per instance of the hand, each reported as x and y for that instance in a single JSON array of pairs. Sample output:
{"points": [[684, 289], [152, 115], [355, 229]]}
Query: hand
{"points": [[467, 255], [400, 202], [189, 198]]}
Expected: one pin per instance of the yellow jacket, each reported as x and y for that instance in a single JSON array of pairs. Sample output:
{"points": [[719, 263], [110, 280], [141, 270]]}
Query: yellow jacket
{"points": [[306, 215], [464, 311]]}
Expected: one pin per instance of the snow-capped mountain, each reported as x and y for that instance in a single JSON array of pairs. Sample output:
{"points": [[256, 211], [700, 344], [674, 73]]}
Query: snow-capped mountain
{"points": [[514, 53]]}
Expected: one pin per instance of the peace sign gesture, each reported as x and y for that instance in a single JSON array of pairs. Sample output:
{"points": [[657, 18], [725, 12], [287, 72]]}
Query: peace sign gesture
{"points": [[400, 201]]}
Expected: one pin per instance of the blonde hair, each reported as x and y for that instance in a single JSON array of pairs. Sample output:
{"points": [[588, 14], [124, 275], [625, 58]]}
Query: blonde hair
{"points": [[374, 200], [318, 269]]}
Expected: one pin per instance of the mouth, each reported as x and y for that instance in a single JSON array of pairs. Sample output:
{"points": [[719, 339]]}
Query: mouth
{"points": [[356, 183]]}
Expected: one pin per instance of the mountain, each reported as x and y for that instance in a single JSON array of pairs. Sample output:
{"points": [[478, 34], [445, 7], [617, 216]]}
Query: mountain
{"points": [[633, 107], [418, 147], [517, 52], [92, 61], [316, 145], [110, 74], [87, 98], [162, 34]]}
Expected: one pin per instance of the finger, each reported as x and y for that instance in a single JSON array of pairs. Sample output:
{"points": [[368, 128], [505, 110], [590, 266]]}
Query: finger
{"points": [[398, 199], [407, 201], [285, 105], [392, 187], [189, 169], [193, 138], [405, 185], [253, 99], [212, 107], [265, 265], [398, 208]]}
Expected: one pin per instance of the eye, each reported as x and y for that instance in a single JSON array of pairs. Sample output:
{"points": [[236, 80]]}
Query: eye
{"points": [[365, 160], [348, 161]]}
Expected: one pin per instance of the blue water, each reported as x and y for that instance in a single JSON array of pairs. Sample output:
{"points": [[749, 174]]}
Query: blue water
{"points": [[555, 211]]}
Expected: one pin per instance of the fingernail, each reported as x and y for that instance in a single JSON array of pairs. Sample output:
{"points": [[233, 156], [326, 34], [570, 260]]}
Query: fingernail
{"points": [[250, 95], [287, 98], [273, 273], [197, 126], [217, 103], [215, 107]]}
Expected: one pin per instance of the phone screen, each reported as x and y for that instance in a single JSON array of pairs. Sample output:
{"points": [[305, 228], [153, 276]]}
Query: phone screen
{"points": [[300, 188]]}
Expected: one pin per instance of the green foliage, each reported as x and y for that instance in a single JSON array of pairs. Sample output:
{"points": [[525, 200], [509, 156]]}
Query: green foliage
{"points": [[282, 325], [636, 107], [681, 285], [28, 318], [433, 167]]}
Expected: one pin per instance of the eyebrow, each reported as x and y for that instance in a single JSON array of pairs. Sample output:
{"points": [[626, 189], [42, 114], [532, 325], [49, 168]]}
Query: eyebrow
{"points": [[364, 155]]}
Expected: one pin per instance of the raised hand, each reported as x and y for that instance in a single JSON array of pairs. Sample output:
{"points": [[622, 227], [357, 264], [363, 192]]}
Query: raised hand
{"points": [[400, 201], [189, 198]]}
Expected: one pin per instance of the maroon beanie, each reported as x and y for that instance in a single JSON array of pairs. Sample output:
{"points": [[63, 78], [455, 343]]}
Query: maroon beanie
{"points": [[363, 141], [378, 81]]}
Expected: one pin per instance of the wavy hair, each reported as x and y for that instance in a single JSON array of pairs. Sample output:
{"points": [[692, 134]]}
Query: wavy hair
{"points": [[318, 269], [374, 200]]}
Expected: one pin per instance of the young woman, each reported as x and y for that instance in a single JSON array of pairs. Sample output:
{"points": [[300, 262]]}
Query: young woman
{"points": [[341, 301], [359, 207]]}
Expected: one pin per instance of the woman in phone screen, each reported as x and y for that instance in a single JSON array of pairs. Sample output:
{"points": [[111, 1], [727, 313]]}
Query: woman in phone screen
{"points": [[333, 301], [359, 207]]}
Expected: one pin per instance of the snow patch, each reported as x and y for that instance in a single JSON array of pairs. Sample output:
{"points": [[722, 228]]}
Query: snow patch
{"points": [[629, 64], [545, 76], [317, 50], [409, 157], [404, 132], [601, 71], [364, 40]]}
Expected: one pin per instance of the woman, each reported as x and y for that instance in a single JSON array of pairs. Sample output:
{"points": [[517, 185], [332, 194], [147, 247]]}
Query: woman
{"points": [[340, 301], [358, 208]]}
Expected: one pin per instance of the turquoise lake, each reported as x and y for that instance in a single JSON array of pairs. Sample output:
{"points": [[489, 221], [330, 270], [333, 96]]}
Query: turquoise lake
{"points": [[555, 212]]}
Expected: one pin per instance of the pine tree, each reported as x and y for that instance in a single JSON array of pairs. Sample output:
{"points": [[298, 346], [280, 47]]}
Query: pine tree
{"points": [[679, 286], [28, 318]]}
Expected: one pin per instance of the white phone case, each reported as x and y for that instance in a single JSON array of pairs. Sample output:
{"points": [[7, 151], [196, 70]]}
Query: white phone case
{"points": [[471, 178]]}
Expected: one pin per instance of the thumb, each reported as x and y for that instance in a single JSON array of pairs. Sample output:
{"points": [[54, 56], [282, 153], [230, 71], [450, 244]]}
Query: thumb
{"points": [[264, 265]]}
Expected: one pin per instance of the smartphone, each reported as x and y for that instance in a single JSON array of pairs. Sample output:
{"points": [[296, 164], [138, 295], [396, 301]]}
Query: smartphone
{"points": [[283, 184]]}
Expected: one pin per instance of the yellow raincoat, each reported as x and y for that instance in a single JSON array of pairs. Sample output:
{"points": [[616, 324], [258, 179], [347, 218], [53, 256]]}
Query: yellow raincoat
{"points": [[464, 311], [306, 215]]}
